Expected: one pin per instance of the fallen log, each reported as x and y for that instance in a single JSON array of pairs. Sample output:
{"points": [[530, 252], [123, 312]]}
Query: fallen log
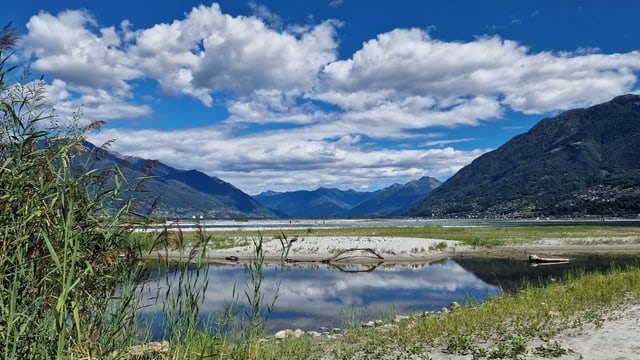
{"points": [[535, 259]]}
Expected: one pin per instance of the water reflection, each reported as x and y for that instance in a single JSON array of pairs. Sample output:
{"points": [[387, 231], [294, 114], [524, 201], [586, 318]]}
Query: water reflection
{"points": [[510, 274], [310, 297], [314, 296]]}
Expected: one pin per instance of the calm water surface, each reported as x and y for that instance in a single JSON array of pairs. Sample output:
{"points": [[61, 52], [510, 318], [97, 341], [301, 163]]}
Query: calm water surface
{"points": [[311, 297]]}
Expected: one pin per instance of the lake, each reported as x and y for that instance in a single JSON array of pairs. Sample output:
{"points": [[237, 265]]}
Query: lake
{"points": [[305, 224], [311, 297]]}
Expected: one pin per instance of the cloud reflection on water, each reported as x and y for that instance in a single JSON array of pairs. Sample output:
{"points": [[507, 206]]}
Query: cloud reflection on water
{"points": [[314, 296]]}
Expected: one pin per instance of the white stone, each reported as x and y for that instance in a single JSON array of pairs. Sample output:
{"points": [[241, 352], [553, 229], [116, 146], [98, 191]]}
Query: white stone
{"points": [[280, 335], [389, 327]]}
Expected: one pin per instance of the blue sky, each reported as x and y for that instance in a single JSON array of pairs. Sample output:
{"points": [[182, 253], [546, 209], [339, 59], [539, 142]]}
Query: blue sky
{"points": [[288, 95]]}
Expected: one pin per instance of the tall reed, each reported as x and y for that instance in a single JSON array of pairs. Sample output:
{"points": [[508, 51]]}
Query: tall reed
{"points": [[61, 261], [185, 283]]}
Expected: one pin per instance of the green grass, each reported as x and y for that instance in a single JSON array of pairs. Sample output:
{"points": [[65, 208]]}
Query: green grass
{"points": [[64, 245]]}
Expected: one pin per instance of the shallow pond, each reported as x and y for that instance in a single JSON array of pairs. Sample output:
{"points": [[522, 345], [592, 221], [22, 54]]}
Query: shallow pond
{"points": [[314, 296]]}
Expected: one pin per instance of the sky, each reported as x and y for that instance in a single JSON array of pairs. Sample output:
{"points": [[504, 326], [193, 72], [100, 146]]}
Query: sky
{"points": [[295, 95]]}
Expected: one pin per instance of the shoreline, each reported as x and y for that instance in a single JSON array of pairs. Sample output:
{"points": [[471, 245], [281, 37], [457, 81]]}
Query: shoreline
{"points": [[398, 250]]}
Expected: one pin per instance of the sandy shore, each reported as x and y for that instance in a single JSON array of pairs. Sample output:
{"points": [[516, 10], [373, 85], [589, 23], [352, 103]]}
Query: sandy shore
{"points": [[618, 338], [353, 250], [391, 250]]}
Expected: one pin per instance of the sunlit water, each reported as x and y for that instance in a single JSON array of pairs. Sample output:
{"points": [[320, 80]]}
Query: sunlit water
{"points": [[310, 224], [315, 297]]}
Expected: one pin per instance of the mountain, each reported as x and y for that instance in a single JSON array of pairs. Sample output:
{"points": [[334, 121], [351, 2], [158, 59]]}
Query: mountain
{"points": [[182, 193], [312, 204], [395, 199], [581, 162], [390, 201]]}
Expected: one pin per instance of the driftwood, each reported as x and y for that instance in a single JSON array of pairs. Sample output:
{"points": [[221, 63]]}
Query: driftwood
{"points": [[337, 257], [345, 269], [537, 260]]}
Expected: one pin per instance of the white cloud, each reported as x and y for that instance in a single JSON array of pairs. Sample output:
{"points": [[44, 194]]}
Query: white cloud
{"points": [[272, 106], [404, 63], [205, 52], [250, 56], [66, 49], [210, 51], [280, 160], [95, 104], [263, 12]]}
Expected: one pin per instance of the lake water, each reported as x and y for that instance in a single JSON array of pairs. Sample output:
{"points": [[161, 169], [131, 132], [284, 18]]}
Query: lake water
{"points": [[311, 297], [304, 224]]}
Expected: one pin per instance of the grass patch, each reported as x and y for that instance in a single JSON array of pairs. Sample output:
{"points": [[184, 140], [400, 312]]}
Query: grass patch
{"points": [[504, 326], [440, 246]]}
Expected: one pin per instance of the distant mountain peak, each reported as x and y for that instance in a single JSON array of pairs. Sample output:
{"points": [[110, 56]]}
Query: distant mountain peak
{"points": [[331, 202]]}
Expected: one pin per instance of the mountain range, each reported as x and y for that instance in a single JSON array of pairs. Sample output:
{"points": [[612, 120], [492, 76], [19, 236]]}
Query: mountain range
{"points": [[180, 193], [188, 193], [387, 202], [581, 162]]}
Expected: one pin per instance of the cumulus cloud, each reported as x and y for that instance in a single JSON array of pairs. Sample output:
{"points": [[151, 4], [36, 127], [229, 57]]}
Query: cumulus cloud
{"points": [[272, 106], [263, 12], [64, 47], [280, 160], [93, 104], [211, 51], [409, 62], [205, 52]]}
